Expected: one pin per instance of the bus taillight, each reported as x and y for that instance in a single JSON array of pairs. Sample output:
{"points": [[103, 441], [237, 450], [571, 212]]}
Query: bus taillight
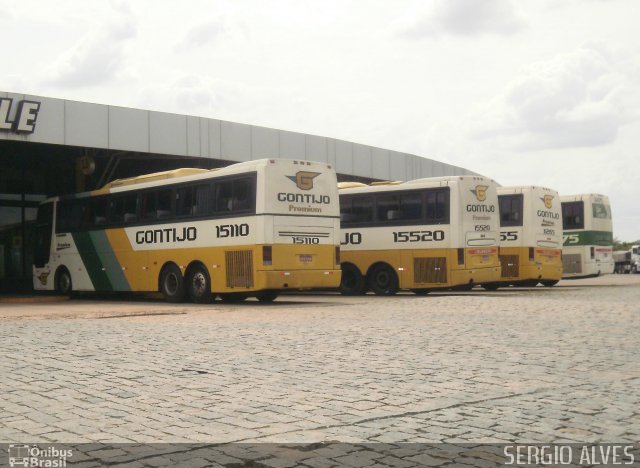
{"points": [[337, 255], [267, 255], [460, 256], [532, 254], [593, 252]]}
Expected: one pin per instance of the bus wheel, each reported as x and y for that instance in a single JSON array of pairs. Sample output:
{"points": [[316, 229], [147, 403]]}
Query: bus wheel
{"points": [[352, 283], [490, 287], [63, 282], [383, 281], [549, 283], [199, 285], [233, 297], [172, 283], [267, 296], [421, 292]]}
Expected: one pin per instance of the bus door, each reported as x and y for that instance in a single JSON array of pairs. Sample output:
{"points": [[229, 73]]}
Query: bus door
{"points": [[44, 228]]}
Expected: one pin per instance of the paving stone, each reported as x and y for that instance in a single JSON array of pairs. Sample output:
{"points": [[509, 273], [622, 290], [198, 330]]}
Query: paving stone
{"points": [[552, 364]]}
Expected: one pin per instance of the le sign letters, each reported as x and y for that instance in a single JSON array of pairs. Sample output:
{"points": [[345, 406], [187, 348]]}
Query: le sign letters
{"points": [[25, 118]]}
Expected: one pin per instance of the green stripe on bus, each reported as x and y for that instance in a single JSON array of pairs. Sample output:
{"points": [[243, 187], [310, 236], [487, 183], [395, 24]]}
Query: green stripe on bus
{"points": [[587, 238], [109, 261], [92, 261]]}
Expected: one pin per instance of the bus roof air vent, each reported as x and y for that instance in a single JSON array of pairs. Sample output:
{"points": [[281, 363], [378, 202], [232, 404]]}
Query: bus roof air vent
{"points": [[386, 182], [344, 185], [156, 176]]}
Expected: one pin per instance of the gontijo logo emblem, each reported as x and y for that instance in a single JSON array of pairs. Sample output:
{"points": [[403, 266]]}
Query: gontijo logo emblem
{"points": [[548, 201], [480, 192], [43, 277], [304, 179]]}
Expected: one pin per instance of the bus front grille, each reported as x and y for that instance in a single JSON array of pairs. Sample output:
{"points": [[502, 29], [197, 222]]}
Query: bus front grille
{"points": [[239, 268], [510, 266], [572, 263], [430, 270]]}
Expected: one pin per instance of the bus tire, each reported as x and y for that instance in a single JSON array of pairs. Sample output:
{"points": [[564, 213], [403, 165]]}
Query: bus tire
{"points": [[383, 281], [352, 282], [490, 286], [199, 284], [421, 292], [233, 297], [172, 283], [549, 283], [267, 296], [63, 283]]}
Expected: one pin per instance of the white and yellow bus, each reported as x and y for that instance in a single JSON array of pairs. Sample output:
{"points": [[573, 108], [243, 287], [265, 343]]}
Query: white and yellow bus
{"points": [[530, 236], [587, 249], [250, 229], [422, 235]]}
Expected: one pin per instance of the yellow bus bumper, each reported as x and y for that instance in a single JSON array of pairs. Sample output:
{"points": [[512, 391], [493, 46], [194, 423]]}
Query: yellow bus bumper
{"points": [[475, 275], [540, 272], [301, 279]]}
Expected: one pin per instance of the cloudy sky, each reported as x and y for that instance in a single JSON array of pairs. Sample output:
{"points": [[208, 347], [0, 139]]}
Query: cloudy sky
{"points": [[543, 92]]}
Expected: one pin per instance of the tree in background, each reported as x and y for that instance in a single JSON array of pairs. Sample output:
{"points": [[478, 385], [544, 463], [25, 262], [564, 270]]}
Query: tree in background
{"points": [[619, 245]]}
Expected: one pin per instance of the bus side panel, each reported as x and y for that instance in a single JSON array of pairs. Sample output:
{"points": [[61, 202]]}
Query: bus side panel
{"points": [[100, 261], [134, 264], [66, 254]]}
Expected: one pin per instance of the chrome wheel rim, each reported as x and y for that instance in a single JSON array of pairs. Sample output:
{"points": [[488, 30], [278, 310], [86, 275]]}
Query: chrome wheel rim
{"points": [[199, 283]]}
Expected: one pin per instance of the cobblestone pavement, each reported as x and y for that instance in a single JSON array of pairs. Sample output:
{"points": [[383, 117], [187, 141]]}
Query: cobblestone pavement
{"points": [[525, 365]]}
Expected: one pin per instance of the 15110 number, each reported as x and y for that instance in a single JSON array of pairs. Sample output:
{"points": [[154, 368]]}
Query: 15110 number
{"points": [[232, 230]]}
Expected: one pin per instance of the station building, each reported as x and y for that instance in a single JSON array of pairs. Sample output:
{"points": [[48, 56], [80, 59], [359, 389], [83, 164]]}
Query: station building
{"points": [[52, 146]]}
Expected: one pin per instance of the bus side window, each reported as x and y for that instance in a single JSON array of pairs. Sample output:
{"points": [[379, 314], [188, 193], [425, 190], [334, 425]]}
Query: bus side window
{"points": [[67, 216], [185, 202], [362, 209], [442, 206], [345, 209], [388, 207], [203, 200], [148, 205], [242, 195], [130, 208], [84, 213], [99, 207], [223, 196], [164, 204], [116, 210], [410, 206]]}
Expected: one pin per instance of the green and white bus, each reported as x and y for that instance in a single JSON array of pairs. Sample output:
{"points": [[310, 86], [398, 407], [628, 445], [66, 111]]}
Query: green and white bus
{"points": [[250, 229], [587, 248]]}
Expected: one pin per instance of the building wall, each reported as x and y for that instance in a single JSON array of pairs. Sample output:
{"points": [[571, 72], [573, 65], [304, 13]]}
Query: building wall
{"points": [[99, 126]]}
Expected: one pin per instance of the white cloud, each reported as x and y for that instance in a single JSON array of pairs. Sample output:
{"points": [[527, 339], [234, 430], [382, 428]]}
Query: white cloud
{"points": [[183, 94], [98, 57], [201, 35], [466, 18], [579, 99]]}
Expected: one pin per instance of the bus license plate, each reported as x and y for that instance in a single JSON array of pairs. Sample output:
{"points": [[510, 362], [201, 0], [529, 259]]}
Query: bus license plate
{"points": [[305, 258]]}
